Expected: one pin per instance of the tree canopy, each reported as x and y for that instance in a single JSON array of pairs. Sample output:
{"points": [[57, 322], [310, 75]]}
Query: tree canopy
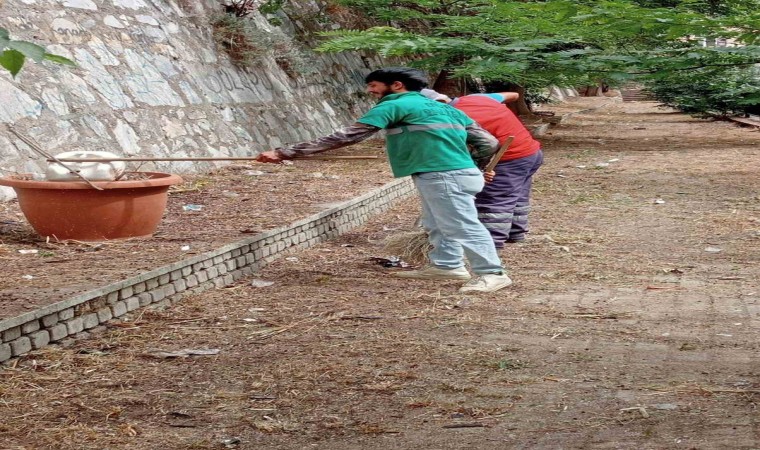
{"points": [[561, 42]]}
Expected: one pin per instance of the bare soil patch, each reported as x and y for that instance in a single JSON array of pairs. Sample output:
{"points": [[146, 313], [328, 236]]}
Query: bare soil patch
{"points": [[632, 324]]}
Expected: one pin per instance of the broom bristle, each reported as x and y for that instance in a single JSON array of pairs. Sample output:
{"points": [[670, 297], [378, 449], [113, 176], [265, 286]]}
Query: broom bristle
{"points": [[411, 246]]}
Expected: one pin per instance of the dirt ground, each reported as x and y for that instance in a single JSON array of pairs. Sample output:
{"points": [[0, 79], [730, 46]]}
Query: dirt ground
{"points": [[235, 202], [632, 323]]}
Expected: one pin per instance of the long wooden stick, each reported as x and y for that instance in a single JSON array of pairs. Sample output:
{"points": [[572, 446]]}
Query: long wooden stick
{"points": [[497, 156], [209, 158]]}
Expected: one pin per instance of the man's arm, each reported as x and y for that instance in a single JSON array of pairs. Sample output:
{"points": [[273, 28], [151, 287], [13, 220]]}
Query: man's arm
{"points": [[482, 144], [509, 97], [340, 138]]}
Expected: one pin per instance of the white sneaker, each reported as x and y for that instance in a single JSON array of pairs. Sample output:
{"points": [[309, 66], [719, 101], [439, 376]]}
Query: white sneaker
{"points": [[436, 273], [486, 283]]}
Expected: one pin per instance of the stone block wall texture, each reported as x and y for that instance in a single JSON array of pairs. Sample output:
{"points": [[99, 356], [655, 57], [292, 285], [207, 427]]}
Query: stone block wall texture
{"points": [[166, 285], [151, 81]]}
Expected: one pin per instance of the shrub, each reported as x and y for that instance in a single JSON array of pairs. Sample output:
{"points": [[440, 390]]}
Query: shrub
{"points": [[731, 91]]}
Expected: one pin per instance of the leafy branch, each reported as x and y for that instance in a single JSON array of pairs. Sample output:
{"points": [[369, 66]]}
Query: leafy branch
{"points": [[536, 43], [13, 54]]}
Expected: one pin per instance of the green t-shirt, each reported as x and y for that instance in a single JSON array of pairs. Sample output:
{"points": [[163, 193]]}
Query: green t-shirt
{"points": [[422, 135]]}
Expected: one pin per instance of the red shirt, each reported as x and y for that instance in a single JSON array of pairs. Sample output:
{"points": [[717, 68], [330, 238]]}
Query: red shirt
{"points": [[498, 120]]}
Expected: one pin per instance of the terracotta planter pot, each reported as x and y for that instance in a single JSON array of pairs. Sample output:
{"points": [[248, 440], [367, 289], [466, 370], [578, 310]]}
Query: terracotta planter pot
{"points": [[74, 210]]}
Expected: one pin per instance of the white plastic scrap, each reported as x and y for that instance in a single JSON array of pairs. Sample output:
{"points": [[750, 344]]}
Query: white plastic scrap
{"points": [[261, 283], [184, 353], [665, 406]]}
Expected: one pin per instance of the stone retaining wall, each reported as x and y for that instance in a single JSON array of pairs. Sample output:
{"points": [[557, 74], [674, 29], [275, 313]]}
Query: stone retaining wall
{"points": [[152, 81], [165, 285]]}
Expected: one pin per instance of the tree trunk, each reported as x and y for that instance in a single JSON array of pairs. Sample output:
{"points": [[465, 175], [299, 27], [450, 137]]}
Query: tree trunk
{"points": [[455, 87], [521, 106]]}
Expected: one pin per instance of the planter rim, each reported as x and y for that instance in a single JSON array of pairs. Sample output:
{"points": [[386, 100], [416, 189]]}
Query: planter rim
{"points": [[156, 179]]}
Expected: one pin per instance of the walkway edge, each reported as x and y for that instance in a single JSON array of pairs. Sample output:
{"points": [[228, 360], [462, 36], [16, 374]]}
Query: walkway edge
{"points": [[217, 268]]}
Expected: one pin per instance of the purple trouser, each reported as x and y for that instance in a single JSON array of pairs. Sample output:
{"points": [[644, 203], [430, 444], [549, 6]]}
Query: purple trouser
{"points": [[503, 205]]}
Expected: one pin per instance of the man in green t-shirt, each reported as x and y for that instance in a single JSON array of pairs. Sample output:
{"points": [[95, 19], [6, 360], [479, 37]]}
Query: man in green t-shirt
{"points": [[428, 141]]}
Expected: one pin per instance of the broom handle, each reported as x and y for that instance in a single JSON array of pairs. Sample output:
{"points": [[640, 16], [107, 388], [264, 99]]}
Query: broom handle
{"points": [[496, 156], [225, 158]]}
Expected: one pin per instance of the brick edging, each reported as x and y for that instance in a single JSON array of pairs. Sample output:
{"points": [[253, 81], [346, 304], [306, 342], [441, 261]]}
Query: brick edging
{"points": [[165, 285]]}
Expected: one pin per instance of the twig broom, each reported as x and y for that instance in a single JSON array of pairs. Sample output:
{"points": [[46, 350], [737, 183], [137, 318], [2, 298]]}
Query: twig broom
{"points": [[414, 246]]}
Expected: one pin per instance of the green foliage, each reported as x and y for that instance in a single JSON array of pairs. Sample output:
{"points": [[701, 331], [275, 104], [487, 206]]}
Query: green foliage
{"points": [[13, 53], [249, 45], [535, 43], [270, 9], [709, 91]]}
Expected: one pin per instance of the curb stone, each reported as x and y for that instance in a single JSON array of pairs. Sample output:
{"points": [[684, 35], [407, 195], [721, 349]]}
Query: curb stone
{"points": [[745, 122], [214, 269]]}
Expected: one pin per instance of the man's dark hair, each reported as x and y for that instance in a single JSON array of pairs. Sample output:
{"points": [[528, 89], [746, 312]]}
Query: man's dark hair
{"points": [[412, 79]]}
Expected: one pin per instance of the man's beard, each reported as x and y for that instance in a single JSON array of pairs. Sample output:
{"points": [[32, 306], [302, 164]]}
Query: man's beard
{"points": [[387, 91]]}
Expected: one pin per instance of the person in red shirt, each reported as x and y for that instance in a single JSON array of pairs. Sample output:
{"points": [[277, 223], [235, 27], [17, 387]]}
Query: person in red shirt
{"points": [[503, 205]]}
